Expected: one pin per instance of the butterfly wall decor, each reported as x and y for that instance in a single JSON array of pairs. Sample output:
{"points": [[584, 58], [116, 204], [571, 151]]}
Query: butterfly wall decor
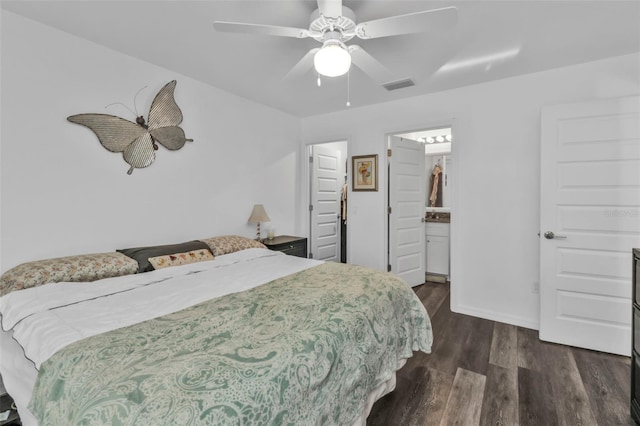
{"points": [[138, 141]]}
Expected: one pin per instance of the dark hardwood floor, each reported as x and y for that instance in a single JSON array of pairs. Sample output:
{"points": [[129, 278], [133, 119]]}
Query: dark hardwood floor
{"points": [[484, 372]]}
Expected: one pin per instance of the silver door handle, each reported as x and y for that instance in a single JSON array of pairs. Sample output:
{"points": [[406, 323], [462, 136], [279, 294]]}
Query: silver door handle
{"points": [[549, 235]]}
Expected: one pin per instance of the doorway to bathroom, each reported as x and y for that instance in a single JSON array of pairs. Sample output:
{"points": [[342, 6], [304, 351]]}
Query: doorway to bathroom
{"points": [[420, 183]]}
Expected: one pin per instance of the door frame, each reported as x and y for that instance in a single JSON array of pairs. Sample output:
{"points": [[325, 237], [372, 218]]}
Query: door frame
{"points": [[306, 188], [454, 256]]}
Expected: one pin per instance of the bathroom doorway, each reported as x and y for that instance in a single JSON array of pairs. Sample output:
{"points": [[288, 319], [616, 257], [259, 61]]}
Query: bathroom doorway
{"points": [[431, 253]]}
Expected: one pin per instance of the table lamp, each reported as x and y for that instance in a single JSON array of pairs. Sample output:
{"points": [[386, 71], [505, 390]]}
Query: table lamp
{"points": [[258, 215]]}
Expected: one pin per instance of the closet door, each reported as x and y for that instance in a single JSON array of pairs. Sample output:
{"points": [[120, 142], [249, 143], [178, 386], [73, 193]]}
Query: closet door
{"points": [[326, 189], [589, 210]]}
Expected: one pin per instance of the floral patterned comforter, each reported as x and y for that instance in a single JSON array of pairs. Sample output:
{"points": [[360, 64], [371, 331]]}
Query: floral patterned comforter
{"points": [[306, 349]]}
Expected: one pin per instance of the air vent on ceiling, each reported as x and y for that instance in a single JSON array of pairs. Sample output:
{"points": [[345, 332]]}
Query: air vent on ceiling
{"points": [[398, 84]]}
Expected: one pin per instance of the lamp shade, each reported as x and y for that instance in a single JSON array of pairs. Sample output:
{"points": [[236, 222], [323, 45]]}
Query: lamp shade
{"points": [[258, 214], [332, 60]]}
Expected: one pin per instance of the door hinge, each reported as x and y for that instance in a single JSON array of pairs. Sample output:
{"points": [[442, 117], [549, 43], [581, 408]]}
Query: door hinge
{"points": [[388, 210], [388, 268], [389, 152], [310, 255], [311, 159], [310, 207]]}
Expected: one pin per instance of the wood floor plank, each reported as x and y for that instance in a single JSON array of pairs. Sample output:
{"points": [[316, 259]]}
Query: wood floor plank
{"points": [[460, 341], [529, 354], [572, 402], [557, 362], [432, 404], [465, 399], [504, 346], [604, 380], [477, 345], [535, 399], [535, 354], [450, 331], [442, 321], [500, 403], [433, 296], [419, 398]]}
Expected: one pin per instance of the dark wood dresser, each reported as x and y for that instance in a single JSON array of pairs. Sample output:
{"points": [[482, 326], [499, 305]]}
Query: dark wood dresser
{"points": [[295, 246], [635, 350]]}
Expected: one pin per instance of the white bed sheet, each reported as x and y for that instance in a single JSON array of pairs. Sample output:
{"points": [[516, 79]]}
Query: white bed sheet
{"points": [[19, 376]]}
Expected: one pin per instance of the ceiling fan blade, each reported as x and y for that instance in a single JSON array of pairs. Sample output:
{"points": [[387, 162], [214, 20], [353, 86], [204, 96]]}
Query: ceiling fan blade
{"points": [[274, 30], [367, 63], [427, 21], [303, 65], [330, 8]]}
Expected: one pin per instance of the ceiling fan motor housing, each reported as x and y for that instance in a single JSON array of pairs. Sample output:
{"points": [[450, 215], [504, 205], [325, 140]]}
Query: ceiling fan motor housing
{"points": [[323, 28]]}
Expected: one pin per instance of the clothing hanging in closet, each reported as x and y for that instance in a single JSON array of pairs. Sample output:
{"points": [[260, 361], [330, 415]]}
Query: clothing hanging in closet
{"points": [[435, 199]]}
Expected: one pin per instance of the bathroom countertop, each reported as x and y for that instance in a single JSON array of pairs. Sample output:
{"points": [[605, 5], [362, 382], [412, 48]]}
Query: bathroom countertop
{"points": [[437, 217]]}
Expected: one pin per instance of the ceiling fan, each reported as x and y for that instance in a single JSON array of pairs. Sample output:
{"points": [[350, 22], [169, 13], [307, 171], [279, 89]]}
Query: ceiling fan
{"points": [[334, 24]]}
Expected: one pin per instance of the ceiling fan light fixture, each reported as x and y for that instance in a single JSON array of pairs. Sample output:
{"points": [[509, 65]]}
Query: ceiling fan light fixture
{"points": [[332, 60]]}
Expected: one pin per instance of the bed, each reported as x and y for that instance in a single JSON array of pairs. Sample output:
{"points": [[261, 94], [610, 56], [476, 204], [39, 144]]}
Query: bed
{"points": [[236, 334]]}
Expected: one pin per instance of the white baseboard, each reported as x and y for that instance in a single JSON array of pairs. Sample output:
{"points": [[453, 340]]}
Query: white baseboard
{"points": [[496, 316]]}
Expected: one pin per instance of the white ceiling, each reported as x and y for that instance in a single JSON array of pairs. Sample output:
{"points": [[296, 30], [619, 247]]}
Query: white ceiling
{"points": [[492, 40]]}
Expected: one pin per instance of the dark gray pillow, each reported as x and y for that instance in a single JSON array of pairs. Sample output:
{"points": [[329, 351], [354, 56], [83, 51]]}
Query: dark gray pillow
{"points": [[142, 254]]}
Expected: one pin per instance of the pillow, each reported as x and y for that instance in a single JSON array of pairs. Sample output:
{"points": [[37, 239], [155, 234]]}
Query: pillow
{"points": [[142, 254], [177, 259], [86, 267], [231, 243]]}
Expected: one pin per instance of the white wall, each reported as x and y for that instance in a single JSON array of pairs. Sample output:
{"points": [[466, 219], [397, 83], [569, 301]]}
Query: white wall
{"points": [[495, 212], [62, 193]]}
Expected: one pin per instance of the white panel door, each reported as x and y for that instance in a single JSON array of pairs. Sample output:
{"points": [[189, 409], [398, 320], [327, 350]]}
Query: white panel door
{"points": [[590, 201], [407, 197], [325, 202]]}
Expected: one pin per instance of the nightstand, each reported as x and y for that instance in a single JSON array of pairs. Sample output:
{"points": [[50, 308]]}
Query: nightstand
{"points": [[5, 404], [295, 246]]}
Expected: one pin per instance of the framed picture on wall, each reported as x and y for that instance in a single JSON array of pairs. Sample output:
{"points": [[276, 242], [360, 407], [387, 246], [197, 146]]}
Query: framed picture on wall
{"points": [[364, 172]]}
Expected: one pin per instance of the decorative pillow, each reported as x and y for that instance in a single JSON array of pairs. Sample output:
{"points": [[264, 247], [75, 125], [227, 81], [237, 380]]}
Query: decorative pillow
{"points": [[142, 254], [86, 267], [230, 243], [167, 260]]}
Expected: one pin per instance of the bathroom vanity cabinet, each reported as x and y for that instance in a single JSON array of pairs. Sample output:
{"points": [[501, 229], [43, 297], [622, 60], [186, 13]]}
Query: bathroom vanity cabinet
{"points": [[437, 252]]}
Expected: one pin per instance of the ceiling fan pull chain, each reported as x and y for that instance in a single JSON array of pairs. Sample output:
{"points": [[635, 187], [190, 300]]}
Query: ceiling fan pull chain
{"points": [[348, 88]]}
